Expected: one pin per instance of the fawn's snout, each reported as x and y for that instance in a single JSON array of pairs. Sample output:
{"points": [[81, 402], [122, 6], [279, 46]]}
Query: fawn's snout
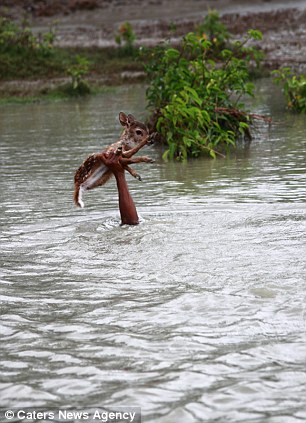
{"points": [[152, 138]]}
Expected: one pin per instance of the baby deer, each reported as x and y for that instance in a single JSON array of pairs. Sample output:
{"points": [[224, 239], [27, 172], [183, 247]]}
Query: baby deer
{"points": [[93, 172]]}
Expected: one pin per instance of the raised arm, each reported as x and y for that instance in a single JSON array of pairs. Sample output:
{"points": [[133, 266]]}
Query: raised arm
{"points": [[127, 207]]}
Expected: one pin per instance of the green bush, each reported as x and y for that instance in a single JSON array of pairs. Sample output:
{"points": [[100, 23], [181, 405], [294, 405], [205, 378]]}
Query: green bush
{"points": [[197, 100], [17, 39], [294, 88], [77, 72], [125, 38], [23, 54]]}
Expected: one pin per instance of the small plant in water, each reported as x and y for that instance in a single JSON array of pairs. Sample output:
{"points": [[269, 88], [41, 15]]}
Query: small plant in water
{"points": [[294, 88]]}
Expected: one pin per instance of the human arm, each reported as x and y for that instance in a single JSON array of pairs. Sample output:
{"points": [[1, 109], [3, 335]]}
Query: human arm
{"points": [[127, 207]]}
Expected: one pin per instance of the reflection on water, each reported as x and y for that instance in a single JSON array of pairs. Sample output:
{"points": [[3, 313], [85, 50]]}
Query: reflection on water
{"points": [[197, 314]]}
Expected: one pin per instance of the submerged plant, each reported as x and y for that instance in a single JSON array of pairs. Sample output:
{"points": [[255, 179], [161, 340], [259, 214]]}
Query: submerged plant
{"points": [[294, 88], [197, 98]]}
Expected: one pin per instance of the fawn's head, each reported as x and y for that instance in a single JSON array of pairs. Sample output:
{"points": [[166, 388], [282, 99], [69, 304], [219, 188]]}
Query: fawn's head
{"points": [[134, 131]]}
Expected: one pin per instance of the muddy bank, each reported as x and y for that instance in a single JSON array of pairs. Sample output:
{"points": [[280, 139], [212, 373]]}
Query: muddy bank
{"points": [[94, 24]]}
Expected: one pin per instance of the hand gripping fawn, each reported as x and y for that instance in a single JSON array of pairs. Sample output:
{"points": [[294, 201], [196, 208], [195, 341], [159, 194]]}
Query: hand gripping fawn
{"points": [[93, 172]]}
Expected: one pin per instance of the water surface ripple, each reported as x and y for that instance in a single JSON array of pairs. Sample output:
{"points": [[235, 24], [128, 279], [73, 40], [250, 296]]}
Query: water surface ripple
{"points": [[196, 315]]}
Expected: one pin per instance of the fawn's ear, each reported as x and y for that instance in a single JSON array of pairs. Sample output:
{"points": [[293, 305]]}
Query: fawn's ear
{"points": [[123, 119], [126, 120], [131, 119]]}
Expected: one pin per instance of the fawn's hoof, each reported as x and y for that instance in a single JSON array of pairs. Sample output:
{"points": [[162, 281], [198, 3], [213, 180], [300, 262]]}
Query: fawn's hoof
{"points": [[137, 176]]}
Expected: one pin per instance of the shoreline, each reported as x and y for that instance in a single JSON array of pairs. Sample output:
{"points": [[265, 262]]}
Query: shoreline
{"points": [[283, 28]]}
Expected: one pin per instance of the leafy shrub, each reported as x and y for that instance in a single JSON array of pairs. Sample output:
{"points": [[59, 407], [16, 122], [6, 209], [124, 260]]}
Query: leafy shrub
{"points": [[126, 37], [196, 99], [15, 39], [77, 72], [23, 54], [294, 88]]}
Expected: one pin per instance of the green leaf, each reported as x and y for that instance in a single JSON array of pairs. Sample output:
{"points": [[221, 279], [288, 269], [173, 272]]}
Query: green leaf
{"points": [[255, 34], [212, 154], [195, 97], [172, 53], [172, 149], [165, 155]]}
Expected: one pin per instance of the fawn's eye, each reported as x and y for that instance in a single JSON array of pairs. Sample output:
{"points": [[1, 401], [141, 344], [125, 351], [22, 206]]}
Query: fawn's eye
{"points": [[138, 132]]}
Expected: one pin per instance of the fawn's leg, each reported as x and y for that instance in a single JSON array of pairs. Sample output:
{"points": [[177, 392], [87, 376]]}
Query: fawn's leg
{"points": [[141, 159], [132, 151], [147, 141], [132, 172]]}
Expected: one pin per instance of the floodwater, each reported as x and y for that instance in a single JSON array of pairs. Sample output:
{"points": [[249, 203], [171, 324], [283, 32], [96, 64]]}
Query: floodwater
{"points": [[195, 315]]}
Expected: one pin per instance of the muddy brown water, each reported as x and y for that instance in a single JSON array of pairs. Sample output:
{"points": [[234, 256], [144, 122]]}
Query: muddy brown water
{"points": [[197, 314]]}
